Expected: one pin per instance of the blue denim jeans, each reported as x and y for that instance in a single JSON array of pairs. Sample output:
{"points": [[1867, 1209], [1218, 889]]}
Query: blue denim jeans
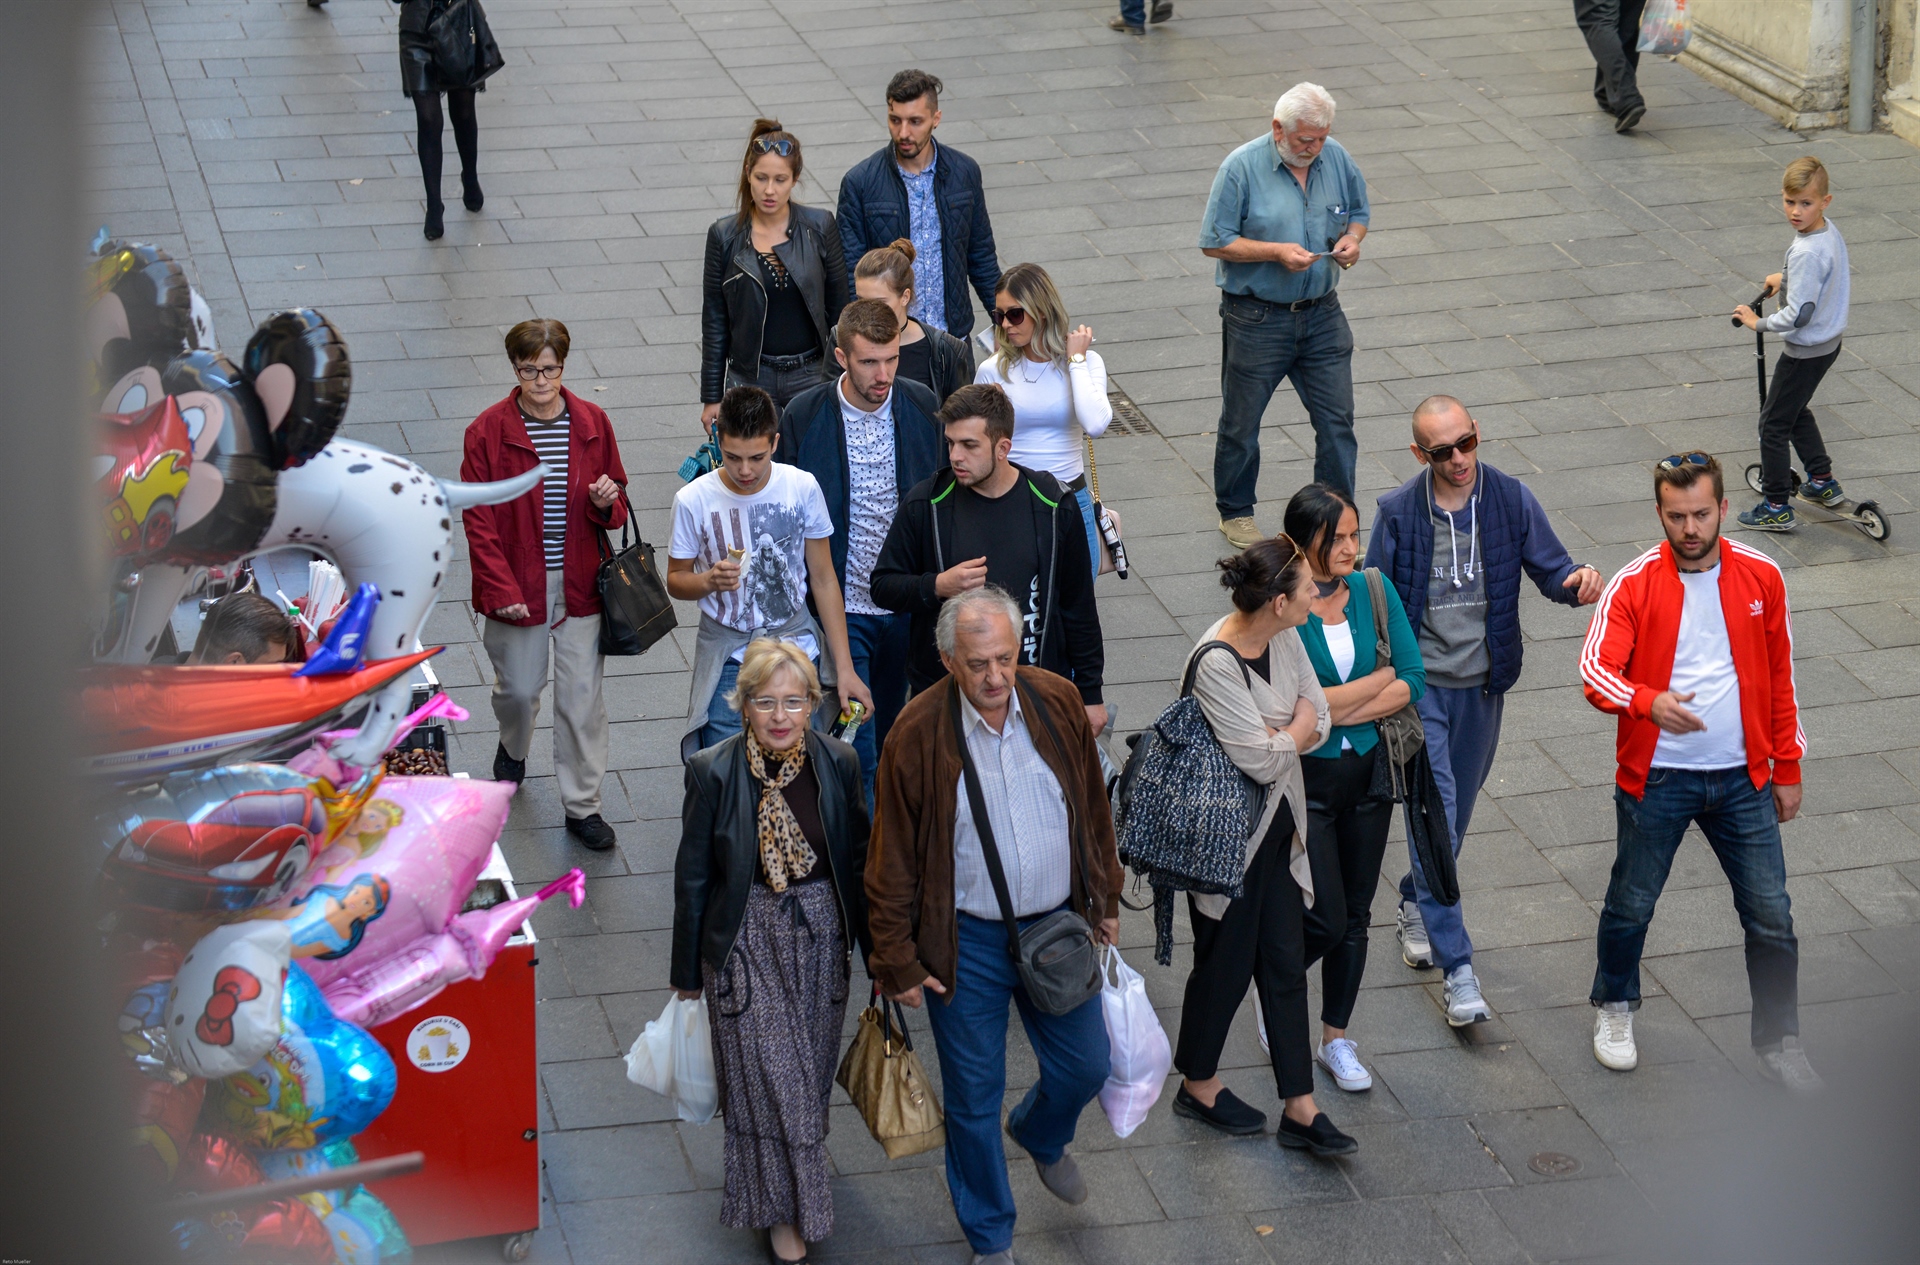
{"points": [[970, 1033], [878, 644], [1262, 345], [1133, 12], [1463, 735], [1743, 830], [1085, 498]]}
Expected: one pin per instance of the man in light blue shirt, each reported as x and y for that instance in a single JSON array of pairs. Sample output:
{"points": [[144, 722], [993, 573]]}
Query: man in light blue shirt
{"points": [[1287, 213]]}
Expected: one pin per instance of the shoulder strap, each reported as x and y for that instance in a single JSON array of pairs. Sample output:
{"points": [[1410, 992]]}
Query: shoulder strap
{"points": [[1377, 595], [1193, 665], [989, 850]]}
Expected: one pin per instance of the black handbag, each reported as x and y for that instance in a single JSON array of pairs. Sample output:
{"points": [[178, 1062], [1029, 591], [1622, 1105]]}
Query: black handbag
{"points": [[464, 51], [1055, 956], [635, 610], [1429, 833], [1402, 734]]}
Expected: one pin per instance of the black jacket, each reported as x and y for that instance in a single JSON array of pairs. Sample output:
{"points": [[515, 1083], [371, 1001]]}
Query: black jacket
{"points": [[1070, 640], [873, 212], [949, 359], [733, 307], [423, 67], [720, 851]]}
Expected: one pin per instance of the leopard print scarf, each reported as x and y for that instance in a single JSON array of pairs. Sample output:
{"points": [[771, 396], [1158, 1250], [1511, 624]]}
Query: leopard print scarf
{"points": [[784, 850]]}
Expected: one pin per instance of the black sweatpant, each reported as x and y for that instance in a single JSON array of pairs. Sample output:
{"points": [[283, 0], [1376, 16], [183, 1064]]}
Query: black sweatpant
{"points": [[1612, 31], [466, 136], [1346, 839], [1262, 939], [1786, 419]]}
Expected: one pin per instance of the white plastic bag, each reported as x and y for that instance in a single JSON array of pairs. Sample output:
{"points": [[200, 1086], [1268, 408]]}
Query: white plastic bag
{"points": [[674, 1058], [1138, 1056], [1665, 27]]}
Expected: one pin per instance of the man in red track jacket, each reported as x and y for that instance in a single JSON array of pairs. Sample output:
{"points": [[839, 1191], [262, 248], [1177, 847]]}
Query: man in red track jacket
{"points": [[1692, 647]]}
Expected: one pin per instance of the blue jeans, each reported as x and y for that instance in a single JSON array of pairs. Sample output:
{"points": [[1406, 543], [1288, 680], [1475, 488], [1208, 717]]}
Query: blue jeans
{"points": [[970, 1033], [1133, 12], [1262, 345], [878, 644], [1743, 830], [1093, 529], [1463, 735]]}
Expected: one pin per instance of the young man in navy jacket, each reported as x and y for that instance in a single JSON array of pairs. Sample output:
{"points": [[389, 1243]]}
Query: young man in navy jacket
{"points": [[1454, 540]]}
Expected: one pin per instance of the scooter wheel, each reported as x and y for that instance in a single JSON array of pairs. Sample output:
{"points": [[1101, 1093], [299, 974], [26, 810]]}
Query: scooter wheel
{"points": [[516, 1247], [1871, 520], [1753, 477]]}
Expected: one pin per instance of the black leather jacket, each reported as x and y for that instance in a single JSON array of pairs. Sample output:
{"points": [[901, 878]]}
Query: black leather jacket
{"points": [[733, 306], [719, 850]]}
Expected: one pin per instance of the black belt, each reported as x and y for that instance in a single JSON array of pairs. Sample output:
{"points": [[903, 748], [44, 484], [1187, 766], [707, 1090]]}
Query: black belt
{"points": [[791, 362], [1079, 482], [1298, 305]]}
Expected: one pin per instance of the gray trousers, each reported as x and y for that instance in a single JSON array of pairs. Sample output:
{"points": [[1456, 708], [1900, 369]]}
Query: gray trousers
{"points": [[519, 658]]}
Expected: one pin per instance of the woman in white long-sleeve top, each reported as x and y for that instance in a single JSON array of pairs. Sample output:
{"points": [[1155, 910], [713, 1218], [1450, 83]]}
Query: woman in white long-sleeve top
{"points": [[1265, 705], [1057, 382]]}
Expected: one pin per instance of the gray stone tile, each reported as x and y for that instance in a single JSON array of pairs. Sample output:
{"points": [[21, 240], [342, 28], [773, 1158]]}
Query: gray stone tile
{"points": [[1458, 1081], [1237, 1175], [1562, 1220], [613, 1163], [1417, 1156]]}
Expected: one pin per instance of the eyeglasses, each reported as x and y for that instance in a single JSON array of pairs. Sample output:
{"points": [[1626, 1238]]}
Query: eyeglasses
{"points": [[1011, 317], [528, 373], [1679, 459], [791, 706], [1445, 452], [780, 145]]}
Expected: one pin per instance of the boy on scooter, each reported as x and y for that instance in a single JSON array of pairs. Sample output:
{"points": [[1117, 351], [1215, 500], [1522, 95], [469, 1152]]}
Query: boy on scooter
{"points": [[1809, 320]]}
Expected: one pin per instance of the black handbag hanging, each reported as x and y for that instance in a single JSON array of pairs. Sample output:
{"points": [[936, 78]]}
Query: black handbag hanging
{"points": [[1429, 833], [464, 51], [635, 610]]}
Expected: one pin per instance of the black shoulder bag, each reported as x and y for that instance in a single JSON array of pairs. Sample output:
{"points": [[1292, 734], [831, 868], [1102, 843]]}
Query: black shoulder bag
{"points": [[635, 610], [1055, 956]]}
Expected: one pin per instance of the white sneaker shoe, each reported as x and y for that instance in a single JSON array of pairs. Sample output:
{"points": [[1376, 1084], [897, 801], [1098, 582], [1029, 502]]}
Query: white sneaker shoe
{"points": [[1786, 1064], [1415, 950], [1340, 1057], [1465, 1005], [1613, 1037]]}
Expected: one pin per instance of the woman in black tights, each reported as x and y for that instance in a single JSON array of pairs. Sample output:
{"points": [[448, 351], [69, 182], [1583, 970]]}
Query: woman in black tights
{"points": [[422, 80]]}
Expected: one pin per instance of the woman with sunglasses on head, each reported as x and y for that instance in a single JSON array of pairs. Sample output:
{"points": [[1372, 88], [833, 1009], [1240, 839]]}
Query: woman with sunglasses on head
{"points": [[930, 356], [536, 563], [769, 905], [774, 283], [1057, 382], [1346, 826]]}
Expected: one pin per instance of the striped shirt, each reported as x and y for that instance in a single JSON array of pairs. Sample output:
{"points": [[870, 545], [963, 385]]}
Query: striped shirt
{"points": [[550, 441], [1028, 813]]}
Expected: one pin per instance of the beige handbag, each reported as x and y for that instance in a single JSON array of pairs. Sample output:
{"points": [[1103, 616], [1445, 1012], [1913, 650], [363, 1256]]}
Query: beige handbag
{"points": [[883, 1076], [1113, 552]]}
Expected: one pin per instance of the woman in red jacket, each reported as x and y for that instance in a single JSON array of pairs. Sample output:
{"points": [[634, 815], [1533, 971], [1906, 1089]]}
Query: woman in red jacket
{"points": [[534, 565]]}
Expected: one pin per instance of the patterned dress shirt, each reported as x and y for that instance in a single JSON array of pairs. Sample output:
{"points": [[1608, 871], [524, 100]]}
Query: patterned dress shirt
{"points": [[873, 495], [1028, 813], [929, 305]]}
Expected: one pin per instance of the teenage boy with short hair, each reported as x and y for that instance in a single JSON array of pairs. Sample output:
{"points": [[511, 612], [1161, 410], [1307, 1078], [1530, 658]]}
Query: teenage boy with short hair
{"points": [[1809, 320], [750, 544]]}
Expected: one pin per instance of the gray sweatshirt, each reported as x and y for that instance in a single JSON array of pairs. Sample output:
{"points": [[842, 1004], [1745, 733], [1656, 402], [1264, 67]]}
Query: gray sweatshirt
{"points": [[1814, 313]]}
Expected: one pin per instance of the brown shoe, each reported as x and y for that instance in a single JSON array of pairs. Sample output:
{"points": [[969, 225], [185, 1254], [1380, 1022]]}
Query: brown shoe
{"points": [[1242, 532], [1121, 24]]}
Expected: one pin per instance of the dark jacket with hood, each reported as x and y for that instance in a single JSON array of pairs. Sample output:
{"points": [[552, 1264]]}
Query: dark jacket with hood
{"points": [[733, 306], [918, 550]]}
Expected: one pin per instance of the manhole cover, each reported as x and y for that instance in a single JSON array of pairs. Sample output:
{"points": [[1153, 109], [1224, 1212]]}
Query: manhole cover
{"points": [[1127, 417], [1554, 1164]]}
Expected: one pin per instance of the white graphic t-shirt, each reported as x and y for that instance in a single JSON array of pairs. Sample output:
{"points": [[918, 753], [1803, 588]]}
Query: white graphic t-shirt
{"points": [[768, 531]]}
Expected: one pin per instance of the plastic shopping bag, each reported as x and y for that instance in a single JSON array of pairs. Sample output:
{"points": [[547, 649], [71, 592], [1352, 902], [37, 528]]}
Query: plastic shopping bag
{"points": [[1665, 27], [1138, 1056], [674, 1058]]}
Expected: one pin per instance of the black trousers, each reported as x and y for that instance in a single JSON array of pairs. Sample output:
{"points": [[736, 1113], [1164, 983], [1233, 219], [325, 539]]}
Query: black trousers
{"points": [[466, 136], [1346, 839], [1612, 31], [1262, 940], [1786, 419]]}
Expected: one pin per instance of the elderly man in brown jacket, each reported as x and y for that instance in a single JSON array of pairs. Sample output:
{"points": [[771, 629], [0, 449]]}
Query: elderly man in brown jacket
{"points": [[937, 924]]}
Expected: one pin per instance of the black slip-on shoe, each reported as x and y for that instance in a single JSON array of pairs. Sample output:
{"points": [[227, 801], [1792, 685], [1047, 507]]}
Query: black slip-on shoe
{"points": [[1161, 13], [506, 768], [592, 830], [1630, 118], [1320, 1137], [472, 196], [1228, 1114]]}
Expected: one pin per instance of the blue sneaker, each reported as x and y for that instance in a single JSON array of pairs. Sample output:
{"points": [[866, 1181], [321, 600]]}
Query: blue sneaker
{"points": [[1822, 491], [1768, 516]]}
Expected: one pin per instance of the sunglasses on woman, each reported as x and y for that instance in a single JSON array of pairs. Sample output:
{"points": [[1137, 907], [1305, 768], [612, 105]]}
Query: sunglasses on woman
{"points": [[528, 373], [1011, 317], [775, 145], [1445, 452]]}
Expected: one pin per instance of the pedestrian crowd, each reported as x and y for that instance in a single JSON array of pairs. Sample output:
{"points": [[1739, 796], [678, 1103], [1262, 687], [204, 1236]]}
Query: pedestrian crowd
{"points": [[897, 542]]}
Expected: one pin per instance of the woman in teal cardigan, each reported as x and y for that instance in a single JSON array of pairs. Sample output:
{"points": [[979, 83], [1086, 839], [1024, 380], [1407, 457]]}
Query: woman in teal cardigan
{"points": [[1346, 827]]}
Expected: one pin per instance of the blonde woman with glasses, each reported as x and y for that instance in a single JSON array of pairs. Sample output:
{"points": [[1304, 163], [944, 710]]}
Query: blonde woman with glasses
{"points": [[769, 903], [1057, 382]]}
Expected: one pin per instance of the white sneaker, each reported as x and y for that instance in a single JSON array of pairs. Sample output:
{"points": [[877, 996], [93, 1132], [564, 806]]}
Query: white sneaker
{"points": [[1786, 1064], [1465, 1005], [1342, 1059], [1613, 1037], [1415, 950]]}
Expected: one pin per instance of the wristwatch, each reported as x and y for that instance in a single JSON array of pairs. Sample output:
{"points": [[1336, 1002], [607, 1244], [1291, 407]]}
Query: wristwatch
{"points": [[1077, 358]]}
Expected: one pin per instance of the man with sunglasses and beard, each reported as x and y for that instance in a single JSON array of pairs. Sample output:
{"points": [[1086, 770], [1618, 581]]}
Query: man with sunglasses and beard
{"points": [[1454, 541], [1692, 648]]}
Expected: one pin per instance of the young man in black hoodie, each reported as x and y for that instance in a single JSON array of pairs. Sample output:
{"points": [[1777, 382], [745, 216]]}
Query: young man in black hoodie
{"points": [[983, 521]]}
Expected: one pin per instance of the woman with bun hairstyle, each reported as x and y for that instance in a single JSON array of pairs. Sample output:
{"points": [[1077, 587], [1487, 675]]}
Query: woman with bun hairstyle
{"points": [[1057, 382], [774, 284], [1264, 704], [1346, 827], [933, 357]]}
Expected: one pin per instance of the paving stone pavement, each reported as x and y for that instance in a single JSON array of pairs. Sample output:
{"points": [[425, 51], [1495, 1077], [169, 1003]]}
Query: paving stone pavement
{"points": [[1572, 285]]}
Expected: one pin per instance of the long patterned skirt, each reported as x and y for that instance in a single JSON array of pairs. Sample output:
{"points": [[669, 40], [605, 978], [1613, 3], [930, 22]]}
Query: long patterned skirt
{"points": [[776, 1010]]}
